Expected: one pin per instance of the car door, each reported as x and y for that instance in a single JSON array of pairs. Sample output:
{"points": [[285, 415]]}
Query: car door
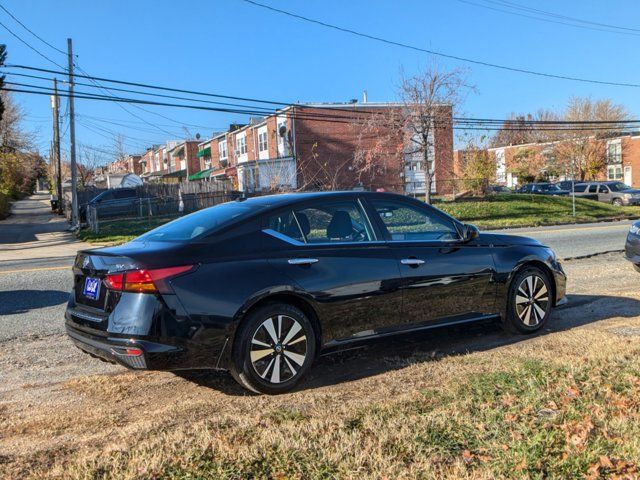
{"points": [[604, 194], [443, 278], [333, 254]]}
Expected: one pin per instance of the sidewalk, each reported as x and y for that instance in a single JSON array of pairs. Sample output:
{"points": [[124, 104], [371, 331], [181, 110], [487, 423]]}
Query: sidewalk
{"points": [[32, 231]]}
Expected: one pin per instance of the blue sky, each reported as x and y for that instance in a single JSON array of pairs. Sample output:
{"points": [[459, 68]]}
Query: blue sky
{"points": [[233, 48]]}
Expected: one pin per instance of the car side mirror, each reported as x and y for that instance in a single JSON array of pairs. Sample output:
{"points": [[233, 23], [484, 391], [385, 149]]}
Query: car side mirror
{"points": [[469, 232]]}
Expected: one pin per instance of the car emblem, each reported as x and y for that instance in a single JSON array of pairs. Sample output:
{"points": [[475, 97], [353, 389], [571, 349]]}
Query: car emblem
{"points": [[86, 262]]}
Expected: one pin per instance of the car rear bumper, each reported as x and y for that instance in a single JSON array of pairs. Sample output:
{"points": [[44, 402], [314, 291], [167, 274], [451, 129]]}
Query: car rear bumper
{"points": [[134, 353]]}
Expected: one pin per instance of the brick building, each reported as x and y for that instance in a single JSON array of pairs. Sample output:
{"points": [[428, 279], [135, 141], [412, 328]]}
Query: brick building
{"points": [[622, 160], [127, 164], [305, 147]]}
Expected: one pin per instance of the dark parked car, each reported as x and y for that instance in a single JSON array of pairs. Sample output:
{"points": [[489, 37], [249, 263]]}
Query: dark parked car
{"points": [[616, 193], [262, 286], [632, 247], [113, 202], [542, 189]]}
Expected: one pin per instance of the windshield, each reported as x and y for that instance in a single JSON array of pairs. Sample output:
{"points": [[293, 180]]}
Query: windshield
{"points": [[199, 223], [617, 186]]}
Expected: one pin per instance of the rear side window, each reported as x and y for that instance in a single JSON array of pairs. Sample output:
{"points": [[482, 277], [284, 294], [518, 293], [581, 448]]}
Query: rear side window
{"points": [[200, 223], [336, 222], [593, 188], [406, 222]]}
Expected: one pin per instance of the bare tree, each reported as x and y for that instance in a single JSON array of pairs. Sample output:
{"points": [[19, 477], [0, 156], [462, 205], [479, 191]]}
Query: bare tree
{"points": [[12, 136], [393, 137], [583, 148], [428, 101], [87, 164]]}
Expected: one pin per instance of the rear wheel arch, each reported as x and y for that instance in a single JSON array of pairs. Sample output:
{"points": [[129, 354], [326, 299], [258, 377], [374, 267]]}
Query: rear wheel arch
{"points": [[290, 299]]}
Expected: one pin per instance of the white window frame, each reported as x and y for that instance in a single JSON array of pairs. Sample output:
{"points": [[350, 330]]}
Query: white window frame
{"points": [[241, 147], [222, 149]]}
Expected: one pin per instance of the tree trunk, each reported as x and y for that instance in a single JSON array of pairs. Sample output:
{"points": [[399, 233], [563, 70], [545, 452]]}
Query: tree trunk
{"points": [[428, 176]]}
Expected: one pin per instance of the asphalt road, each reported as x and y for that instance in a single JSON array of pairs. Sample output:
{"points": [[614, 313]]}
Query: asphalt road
{"points": [[570, 241]]}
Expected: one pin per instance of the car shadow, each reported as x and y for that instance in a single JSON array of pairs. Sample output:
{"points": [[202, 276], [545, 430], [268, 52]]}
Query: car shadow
{"points": [[14, 302], [375, 357]]}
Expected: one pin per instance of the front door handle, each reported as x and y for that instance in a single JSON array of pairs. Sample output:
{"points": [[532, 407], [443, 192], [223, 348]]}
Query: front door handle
{"points": [[302, 261], [412, 262]]}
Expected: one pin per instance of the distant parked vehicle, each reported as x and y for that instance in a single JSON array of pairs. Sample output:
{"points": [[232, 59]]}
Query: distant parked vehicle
{"points": [[616, 193], [567, 185], [543, 188], [498, 189], [632, 247], [112, 203]]}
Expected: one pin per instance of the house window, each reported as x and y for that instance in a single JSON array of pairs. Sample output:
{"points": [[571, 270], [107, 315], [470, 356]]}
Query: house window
{"points": [[241, 145], [614, 172], [614, 152], [262, 142], [222, 149]]}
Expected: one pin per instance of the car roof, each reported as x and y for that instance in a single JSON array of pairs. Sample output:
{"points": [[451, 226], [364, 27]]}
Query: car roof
{"points": [[283, 199]]}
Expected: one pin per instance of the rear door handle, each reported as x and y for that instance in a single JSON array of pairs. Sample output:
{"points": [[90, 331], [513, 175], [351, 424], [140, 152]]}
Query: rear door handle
{"points": [[302, 261], [412, 262]]}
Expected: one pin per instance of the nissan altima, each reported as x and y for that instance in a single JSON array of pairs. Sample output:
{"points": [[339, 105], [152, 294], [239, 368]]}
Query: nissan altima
{"points": [[262, 286]]}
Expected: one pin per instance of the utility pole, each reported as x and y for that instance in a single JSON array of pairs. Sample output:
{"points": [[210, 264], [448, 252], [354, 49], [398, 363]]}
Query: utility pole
{"points": [[72, 143], [55, 103]]}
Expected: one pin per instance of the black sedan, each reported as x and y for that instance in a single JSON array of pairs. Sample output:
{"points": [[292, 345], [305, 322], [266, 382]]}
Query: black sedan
{"points": [[632, 247], [261, 286]]}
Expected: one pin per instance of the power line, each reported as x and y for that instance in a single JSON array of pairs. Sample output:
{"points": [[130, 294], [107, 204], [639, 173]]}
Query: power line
{"points": [[32, 32], [560, 22], [556, 15], [606, 126], [30, 46], [440, 54]]}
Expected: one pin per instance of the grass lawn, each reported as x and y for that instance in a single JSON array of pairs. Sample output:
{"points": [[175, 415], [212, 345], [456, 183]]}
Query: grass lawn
{"points": [[118, 232], [501, 211]]}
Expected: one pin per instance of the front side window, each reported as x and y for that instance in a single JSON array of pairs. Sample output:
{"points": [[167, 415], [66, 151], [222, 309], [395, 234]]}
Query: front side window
{"points": [[406, 222], [339, 222]]}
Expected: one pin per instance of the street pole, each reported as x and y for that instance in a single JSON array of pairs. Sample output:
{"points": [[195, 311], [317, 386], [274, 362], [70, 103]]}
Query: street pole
{"points": [[573, 187], [72, 142], [56, 143]]}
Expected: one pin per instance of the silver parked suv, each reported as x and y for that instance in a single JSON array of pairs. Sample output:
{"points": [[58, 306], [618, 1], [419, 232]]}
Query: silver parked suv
{"points": [[616, 193]]}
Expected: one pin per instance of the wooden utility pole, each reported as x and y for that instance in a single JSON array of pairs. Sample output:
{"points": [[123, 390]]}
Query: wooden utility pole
{"points": [[55, 103], [72, 143]]}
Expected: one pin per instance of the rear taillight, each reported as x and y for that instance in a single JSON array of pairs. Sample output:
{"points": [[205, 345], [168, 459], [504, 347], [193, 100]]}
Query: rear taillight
{"points": [[145, 281]]}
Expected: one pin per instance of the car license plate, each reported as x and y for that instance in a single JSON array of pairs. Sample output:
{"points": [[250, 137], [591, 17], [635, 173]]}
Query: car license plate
{"points": [[91, 288]]}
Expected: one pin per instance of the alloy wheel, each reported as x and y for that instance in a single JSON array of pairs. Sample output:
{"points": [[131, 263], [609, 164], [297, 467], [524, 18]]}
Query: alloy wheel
{"points": [[532, 300], [278, 348]]}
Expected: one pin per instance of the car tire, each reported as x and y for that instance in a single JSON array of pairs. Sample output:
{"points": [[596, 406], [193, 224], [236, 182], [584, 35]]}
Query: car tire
{"points": [[273, 349], [617, 202], [529, 301]]}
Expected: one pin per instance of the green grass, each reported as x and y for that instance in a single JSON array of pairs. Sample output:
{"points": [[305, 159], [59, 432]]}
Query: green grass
{"points": [[118, 232], [499, 211]]}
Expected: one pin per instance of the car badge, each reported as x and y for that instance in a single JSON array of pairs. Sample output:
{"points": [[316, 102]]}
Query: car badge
{"points": [[86, 262]]}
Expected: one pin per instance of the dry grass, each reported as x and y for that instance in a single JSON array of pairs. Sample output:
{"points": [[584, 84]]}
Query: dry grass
{"points": [[547, 408]]}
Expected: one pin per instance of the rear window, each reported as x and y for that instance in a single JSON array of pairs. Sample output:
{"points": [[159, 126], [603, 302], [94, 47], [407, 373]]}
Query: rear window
{"points": [[200, 223]]}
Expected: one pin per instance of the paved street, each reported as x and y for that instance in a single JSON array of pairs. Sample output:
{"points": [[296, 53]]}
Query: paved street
{"points": [[571, 241]]}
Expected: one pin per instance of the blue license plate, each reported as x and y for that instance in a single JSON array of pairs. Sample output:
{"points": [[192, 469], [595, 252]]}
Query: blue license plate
{"points": [[91, 288]]}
